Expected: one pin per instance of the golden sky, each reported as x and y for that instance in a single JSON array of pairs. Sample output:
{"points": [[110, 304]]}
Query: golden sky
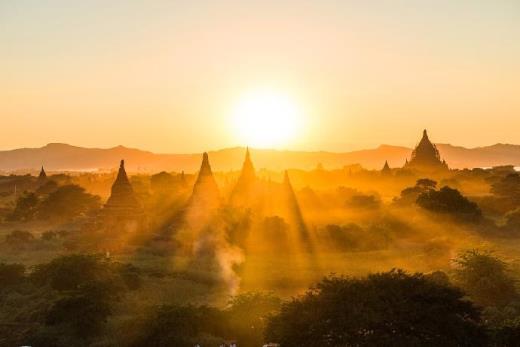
{"points": [[167, 76]]}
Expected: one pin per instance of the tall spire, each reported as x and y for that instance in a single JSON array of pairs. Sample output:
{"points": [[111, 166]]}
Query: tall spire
{"points": [[244, 190], [122, 205], [122, 193], [248, 168], [205, 168], [247, 175], [386, 168], [42, 176], [205, 184]]}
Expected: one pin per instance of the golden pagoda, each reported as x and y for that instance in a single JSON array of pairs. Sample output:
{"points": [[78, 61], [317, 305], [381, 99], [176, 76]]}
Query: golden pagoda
{"points": [[426, 157]]}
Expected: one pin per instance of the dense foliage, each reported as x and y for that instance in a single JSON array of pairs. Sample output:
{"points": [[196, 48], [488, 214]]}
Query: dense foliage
{"points": [[385, 309]]}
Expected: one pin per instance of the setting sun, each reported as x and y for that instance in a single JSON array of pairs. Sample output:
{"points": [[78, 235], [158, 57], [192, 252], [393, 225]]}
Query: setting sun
{"points": [[266, 119]]}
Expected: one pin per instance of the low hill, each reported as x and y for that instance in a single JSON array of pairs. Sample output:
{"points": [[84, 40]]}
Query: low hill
{"points": [[63, 157]]}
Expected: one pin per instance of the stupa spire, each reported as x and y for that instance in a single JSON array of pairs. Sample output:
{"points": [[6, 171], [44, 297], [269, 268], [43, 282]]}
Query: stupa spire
{"points": [[43, 175], [205, 167], [244, 189], [426, 156], [122, 205], [205, 184], [386, 168], [122, 193]]}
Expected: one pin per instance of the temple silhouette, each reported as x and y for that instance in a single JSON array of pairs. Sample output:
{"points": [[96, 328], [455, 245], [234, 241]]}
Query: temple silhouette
{"points": [[244, 191], [123, 209], [426, 157], [386, 169], [206, 193], [42, 177]]}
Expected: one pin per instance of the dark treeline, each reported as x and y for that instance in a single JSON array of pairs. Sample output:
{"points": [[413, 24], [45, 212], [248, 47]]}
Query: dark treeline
{"points": [[72, 300]]}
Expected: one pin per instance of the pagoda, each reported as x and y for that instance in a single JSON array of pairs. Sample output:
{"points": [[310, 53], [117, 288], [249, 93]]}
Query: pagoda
{"points": [[122, 205], [205, 191], [42, 177], [245, 188], [204, 200], [426, 157], [386, 169]]}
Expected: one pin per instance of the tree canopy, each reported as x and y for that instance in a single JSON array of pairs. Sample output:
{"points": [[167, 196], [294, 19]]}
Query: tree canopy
{"points": [[385, 309]]}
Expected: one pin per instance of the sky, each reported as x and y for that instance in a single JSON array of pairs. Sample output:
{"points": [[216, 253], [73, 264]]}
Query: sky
{"points": [[167, 76]]}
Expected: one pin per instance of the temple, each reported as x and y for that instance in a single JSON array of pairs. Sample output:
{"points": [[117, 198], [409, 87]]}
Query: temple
{"points": [[426, 157], [386, 169], [244, 190], [122, 207], [42, 177], [205, 190]]}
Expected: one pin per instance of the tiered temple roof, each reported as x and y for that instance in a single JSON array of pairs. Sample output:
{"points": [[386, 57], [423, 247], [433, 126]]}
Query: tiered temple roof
{"points": [[245, 186], [426, 156], [205, 189], [386, 169], [122, 200]]}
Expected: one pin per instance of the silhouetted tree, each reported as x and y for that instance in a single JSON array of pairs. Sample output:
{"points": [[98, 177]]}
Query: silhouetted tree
{"points": [[19, 239], [247, 316], [83, 314], [409, 195], [67, 202], [47, 188], [364, 201], [450, 201], [508, 187], [485, 278], [426, 183], [26, 207], [71, 272], [182, 326], [11, 274], [385, 309]]}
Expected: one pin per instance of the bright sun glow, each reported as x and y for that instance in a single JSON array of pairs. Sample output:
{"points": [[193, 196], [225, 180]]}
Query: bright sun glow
{"points": [[266, 119]]}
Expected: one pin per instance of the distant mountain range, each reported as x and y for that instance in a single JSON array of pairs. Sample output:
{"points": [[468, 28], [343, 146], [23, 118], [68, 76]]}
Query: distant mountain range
{"points": [[63, 157]]}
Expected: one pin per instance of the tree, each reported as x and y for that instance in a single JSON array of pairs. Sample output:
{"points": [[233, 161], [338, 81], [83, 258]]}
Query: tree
{"points": [[485, 278], [364, 201], [85, 287], [507, 187], [247, 315], [47, 188], [450, 201], [19, 238], [26, 207], [182, 326], [409, 195], [426, 183], [84, 314], [71, 272], [67, 202], [11, 274], [384, 309]]}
